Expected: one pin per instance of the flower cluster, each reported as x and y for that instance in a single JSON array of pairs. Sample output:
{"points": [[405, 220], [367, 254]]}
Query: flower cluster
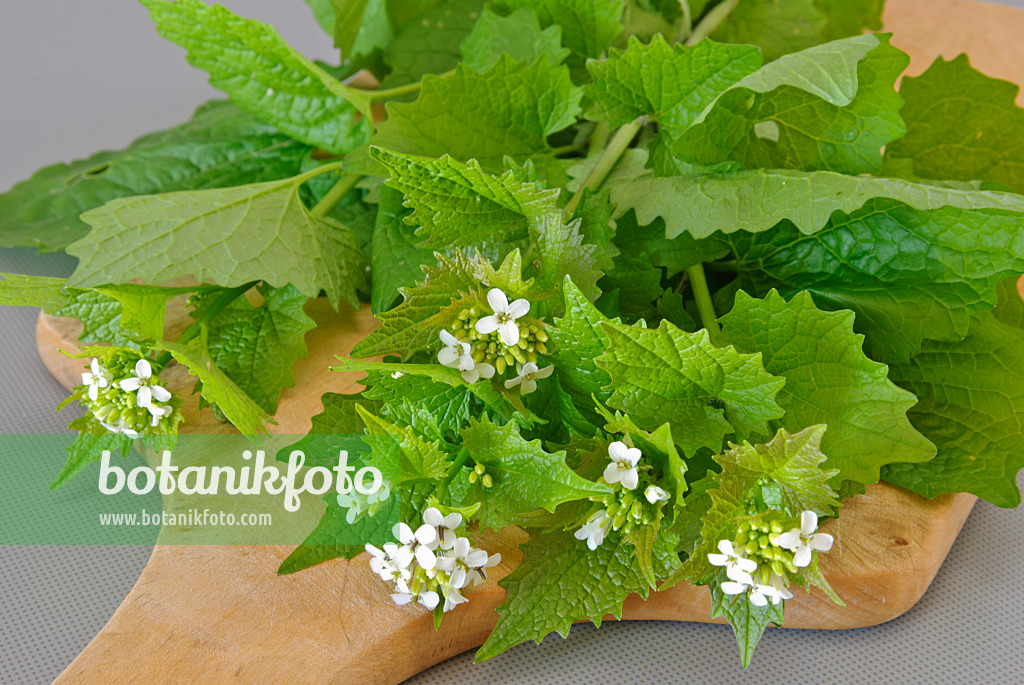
{"points": [[432, 562], [480, 345], [360, 505], [125, 398], [623, 508], [761, 557]]}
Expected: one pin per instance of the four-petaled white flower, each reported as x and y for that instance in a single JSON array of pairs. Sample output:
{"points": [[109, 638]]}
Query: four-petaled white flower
{"points": [[386, 563], [477, 575], [444, 526], [623, 466], [594, 530], [141, 382], [736, 565], [96, 378], [504, 318], [655, 494], [456, 355], [420, 544], [804, 540], [527, 378], [759, 595], [464, 558], [452, 598], [120, 428], [158, 411], [779, 584], [428, 599]]}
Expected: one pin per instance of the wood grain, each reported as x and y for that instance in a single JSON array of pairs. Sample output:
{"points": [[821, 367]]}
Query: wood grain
{"points": [[221, 614]]}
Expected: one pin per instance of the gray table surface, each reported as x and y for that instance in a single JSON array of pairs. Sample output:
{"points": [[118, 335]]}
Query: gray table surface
{"points": [[76, 77]]}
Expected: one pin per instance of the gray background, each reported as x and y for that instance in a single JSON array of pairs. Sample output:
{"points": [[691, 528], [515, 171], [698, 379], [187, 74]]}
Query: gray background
{"points": [[78, 76]]}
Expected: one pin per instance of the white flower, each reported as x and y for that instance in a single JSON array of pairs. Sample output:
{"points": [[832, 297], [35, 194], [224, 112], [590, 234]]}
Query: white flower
{"points": [[804, 540], [120, 428], [385, 563], [420, 544], [96, 378], [142, 383], [655, 494], [452, 598], [528, 375], [463, 559], [759, 595], [480, 370], [478, 575], [778, 583], [623, 466], [736, 565], [158, 411], [504, 318], [428, 599], [444, 526], [397, 374], [455, 354], [594, 530]]}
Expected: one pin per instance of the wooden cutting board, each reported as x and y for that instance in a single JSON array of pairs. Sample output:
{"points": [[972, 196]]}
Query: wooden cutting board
{"points": [[222, 614]]}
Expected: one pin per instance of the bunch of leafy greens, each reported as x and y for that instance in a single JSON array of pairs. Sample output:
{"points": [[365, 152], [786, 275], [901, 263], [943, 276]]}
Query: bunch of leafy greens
{"points": [[747, 255]]}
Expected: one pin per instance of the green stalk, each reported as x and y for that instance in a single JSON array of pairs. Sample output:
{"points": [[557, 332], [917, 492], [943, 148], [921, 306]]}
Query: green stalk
{"points": [[598, 139], [711, 21], [222, 300], [460, 461], [705, 306], [339, 190], [400, 90], [609, 158]]}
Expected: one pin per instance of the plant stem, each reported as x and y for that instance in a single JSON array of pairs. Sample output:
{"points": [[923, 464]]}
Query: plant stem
{"points": [[460, 461], [704, 304], [215, 307], [400, 90], [598, 139], [711, 21], [609, 158], [339, 190]]}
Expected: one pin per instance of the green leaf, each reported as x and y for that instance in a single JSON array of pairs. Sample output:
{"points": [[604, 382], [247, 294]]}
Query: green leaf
{"points": [[961, 125], [457, 203], [755, 201], [971, 405], [1010, 307], [346, 19], [19, 290], [831, 107], [828, 381], [671, 84], [794, 462], [435, 409], [526, 477], [396, 257], [665, 375], [100, 316], [142, 306], [560, 252], [220, 146], [519, 35], [419, 459], [588, 26], [250, 62], [368, 20], [578, 339], [493, 399], [456, 283], [561, 581], [776, 27], [850, 17], [429, 43], [747, 621], [323, 12], [217, 388], [88, 447], [232, 236], [510, 109], [257, 346]]}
